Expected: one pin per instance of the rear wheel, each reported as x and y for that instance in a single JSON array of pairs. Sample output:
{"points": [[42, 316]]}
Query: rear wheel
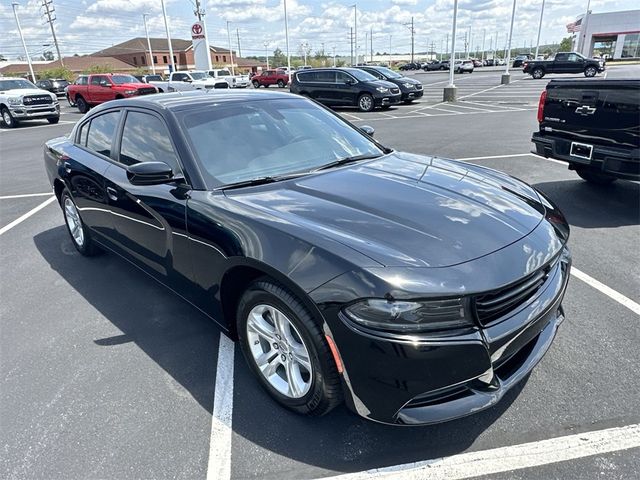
{"points": [[537, 73], [80, 235], [597, 178], [590, 71], [82, 105], [286, 349], [8, 119], [280, 84], [365, 102]]}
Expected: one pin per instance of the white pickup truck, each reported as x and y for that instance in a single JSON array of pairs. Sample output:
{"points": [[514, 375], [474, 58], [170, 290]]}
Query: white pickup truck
{"points": [[22, 100], [234, 81], [184, 81]]}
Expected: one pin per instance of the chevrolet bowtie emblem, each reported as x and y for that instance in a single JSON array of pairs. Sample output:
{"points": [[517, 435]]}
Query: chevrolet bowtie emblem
{"points": [[585, 110]]}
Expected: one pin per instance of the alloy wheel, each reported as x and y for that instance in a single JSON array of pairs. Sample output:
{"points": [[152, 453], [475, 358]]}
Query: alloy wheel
{"points": [[365, 103], [279, 351], [74, 223]]}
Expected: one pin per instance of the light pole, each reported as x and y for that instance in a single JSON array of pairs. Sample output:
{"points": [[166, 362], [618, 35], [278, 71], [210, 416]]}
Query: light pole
{"points": [[286, 34], [266, 52], [334, 56], [230, 51], [583, 31], [484, 32], [166, 28], [355, 29], [390, 51], [450, 90], [304, 47], [146, 31], [24, 45], [506, 76]]}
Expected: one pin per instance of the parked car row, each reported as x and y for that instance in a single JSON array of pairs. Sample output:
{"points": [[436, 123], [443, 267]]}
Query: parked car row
{"points": [[365, 87]]}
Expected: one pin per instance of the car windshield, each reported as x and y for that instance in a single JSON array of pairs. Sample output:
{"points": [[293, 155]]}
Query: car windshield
{"points": [[15, 84], [238, 142], [198, 75], [120, 79], [361, 75], [387, 72]]}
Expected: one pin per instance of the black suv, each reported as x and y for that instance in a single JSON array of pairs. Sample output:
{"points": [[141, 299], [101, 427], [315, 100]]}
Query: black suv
{"points": [[410, 89], [345, 87], [53, 85]]}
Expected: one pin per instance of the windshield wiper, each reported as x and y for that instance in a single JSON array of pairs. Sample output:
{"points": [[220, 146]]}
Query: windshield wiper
{"points": [[347, 160], [260, 181]]}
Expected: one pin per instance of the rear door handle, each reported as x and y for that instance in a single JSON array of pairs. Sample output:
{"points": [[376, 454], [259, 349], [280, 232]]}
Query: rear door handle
{"points": [[113, 195]]}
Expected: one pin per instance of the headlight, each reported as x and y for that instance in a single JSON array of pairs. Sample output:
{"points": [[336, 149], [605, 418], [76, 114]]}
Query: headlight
{"points": [[15, 100], [130, 92], [382, 89], [410, 317], [408, 85]]}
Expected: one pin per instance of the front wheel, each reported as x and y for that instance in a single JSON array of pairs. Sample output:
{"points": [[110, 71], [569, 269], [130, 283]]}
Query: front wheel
{"points": [[596, 178], [590, 72], [82, 105], [537, 73], [8, 119], [78, 231], [256, 84], [280, 84], [286, 349], [365, 102], [53, 120]]}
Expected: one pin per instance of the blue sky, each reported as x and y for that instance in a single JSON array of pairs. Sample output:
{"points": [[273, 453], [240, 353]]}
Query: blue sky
{"points": [[84, 26]]}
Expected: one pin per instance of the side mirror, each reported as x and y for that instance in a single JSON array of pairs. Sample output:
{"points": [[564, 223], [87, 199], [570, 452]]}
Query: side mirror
{"points": [[150, 173], [368, 130]]}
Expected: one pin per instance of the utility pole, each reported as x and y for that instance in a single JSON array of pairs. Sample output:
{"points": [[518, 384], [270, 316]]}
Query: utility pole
{"points": [[447, 45], [24, 45], [583, 32], [266, 52], [239, 49], [539, 29], [413, 32], [351, 41], [199, 12], [334, 56], [230, 50], [49, 9], [366, 43], [304, 46], [371, 43], [484, 32], [355, 32], [166, 27], [286, 34], [506, 77], [390, 47], [146, 31]]}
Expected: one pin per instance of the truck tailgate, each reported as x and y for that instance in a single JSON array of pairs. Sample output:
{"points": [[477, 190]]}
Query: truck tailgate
{"points": [[604, 112]]}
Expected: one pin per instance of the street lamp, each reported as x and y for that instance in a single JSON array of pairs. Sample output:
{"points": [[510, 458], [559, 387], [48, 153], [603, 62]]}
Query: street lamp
{"points": [[230, 51], [506, 76], [24, 45], [450, 90], [286, 33], [266, 52]]}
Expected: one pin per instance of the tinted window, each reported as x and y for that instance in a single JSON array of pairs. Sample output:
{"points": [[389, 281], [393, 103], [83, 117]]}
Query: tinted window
{"points": [[305, 77], [362, 75], [574, 57], [101, 132], [328, 76], [562, 57], [81, 81], [82, 135], [96, 79], [179, 77], [145, 138], [342, 77]]}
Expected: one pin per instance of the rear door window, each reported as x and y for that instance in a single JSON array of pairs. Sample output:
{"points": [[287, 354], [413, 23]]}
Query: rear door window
{"points": [[101, 133]]}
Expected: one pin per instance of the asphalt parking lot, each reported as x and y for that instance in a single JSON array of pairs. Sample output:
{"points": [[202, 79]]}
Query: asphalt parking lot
{"points": [[106, 374]]}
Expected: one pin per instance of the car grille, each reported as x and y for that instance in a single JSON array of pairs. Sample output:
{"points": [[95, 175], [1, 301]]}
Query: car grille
{"points": [[395, 91], [37, 100], [491, 306], [146, 91]]}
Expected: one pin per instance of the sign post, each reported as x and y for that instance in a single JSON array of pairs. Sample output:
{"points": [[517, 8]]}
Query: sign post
{"points": [[201, 55]]}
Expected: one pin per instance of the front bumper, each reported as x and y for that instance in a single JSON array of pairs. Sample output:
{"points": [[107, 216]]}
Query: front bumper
{"points": [[26, 112], [620, 162], [386, 100], [412, 94], [426, 379]]}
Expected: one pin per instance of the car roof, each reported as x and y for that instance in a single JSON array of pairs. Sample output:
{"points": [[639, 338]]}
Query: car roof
{"points": [[181, 100]]}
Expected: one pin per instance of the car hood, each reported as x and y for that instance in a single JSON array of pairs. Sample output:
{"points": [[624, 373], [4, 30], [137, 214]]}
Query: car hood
{"points": [[26, 91], [404, 209], [382, 83]]}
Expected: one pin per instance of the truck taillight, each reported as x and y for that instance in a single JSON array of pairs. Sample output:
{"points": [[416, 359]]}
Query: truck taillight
{"points": [[543, 99]]}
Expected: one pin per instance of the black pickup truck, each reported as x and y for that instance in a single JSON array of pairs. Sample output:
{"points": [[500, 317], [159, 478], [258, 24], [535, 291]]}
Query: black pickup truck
{"points": [[564, 62], [594, 125]]}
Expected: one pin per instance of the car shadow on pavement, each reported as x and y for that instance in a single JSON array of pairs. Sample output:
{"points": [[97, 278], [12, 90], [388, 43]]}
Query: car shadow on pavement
{"points": [[177, 336], [595, 206], [341, 441]]}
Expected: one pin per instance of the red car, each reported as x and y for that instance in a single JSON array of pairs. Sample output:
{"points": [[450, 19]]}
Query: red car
{"points": [[270, 77], [93, 90]]}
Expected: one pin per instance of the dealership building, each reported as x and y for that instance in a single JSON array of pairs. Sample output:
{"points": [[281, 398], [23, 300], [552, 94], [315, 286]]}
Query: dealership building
{"points": [[615, 34]]}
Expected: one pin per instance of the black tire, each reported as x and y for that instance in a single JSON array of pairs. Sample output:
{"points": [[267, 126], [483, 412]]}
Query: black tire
{"points": [[8, 119], [537, 73], [408, 101], [366, 103], [385, 107], [87, 247], [82, 105], [256, 84], [325, 391], [596, 178], [280, 84], [160, 90], [590, 71], [53, 120]]}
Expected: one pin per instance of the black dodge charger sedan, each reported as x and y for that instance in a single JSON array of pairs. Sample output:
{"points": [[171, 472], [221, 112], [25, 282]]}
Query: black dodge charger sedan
{"points": [[414, 288]]}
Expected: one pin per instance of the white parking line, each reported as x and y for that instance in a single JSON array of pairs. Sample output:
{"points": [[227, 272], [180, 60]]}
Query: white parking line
{"points": [[22, 218], [219, 466], [608, 291], [508, 459], [26, 195], [7, 130]]}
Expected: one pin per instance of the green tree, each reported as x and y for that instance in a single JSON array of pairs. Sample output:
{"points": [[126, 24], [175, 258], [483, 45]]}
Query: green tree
{"points": [[98, 69], [566, 44], [59, 72], [279, 58]]}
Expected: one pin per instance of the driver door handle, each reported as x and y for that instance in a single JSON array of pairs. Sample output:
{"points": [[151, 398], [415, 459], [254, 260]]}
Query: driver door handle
{"points": [[113, 195]]}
